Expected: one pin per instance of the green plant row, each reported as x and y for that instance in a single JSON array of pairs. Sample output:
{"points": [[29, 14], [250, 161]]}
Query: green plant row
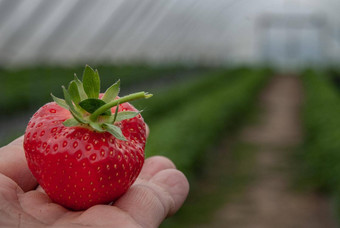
{"points": [[30, 88], [188, 131], [322, 130], [164, 102]]}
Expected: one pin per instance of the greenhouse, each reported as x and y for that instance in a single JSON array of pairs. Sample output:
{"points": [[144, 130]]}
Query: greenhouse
{"points": [[170, 113], [209, 32]]}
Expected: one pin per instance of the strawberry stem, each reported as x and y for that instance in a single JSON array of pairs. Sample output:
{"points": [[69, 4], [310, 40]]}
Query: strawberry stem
{"points": [[131, 97]]}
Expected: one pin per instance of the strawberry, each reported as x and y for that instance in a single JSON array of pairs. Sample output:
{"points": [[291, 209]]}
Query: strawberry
{"points": [[89, 148]]}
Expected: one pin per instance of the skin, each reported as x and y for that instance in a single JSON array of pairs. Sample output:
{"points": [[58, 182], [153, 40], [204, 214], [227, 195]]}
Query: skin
{"points": [[159, 192]]}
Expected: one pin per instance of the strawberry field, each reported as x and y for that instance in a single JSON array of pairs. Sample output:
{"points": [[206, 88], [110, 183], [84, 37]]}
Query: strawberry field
{"points": [[37, 83], [178, 92], [322, 129], [189, 120]]}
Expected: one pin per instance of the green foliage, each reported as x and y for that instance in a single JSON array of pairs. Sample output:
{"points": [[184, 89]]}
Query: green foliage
{"points": [[322, 130], [165, 101], [23, 89], [208, 108]]}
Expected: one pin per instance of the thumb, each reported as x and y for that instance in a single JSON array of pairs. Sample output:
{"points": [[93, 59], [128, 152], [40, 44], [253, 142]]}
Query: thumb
{"points": [[149, 202]]}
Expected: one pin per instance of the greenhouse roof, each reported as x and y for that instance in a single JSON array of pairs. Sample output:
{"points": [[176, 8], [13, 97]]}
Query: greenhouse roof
{"points": [[191, 31]]}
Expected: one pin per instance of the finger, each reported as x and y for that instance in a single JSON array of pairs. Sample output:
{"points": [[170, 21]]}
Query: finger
{"points": [[150, 202], [13, 164], [154, 165], [176, 184]]}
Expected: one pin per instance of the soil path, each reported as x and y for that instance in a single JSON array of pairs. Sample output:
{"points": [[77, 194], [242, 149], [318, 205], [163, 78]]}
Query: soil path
{"points": [[270, 200]]}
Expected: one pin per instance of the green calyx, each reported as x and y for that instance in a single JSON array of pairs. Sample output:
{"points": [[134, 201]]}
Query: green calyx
{"points": [[81, 98]]}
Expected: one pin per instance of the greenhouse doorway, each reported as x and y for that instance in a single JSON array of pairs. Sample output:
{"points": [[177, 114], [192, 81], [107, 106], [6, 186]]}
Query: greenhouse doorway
{"points": [[292, 41]]}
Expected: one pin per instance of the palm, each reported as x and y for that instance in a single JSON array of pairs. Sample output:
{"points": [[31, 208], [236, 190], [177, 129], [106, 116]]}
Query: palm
{"points": [[158, 192]]}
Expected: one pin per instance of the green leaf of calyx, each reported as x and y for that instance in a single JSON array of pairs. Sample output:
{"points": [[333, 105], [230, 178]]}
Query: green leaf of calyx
{"points": [[74, 92], [124, 115], [71, 122], [97, 127], [115, 131], [81, 90], [91, 105], [91, 82], [112, 92], [72, 109], [60, 102]]}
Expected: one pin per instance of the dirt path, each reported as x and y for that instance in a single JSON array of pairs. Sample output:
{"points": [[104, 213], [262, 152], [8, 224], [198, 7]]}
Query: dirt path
{"points": [[270, 200]]}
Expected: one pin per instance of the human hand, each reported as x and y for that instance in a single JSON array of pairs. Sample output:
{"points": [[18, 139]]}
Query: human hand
{"points": [[158, 192]]}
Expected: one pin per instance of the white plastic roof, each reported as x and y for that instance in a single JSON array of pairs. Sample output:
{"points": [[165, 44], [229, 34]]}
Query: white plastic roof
{"points": [[206, 31]]}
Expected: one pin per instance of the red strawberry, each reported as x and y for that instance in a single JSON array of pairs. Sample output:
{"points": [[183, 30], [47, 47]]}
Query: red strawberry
{"points": [[83, 150]]}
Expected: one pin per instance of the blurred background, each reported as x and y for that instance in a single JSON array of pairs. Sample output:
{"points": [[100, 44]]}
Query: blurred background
{"points": [[246, 94]]}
